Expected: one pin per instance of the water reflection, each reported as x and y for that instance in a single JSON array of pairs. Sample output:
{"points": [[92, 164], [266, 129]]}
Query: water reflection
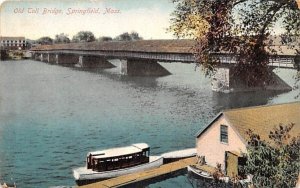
{"points": [[114, 74], [224, 101]]}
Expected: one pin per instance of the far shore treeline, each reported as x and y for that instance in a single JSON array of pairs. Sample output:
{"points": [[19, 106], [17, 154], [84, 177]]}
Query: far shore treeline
{"points": [[83, 36]]}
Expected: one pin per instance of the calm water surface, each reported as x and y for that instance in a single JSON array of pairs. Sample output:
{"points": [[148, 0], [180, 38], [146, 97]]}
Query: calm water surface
{"points": [[51, 116]]}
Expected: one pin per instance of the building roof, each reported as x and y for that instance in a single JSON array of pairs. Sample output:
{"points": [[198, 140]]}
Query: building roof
{"points": [[184, 46], [261, 119], [120, 151], [163, 46], [11, 38]]}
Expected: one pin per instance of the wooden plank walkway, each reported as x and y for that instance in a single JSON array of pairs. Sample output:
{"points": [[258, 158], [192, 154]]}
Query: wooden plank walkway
{"points": [[145, 175]]}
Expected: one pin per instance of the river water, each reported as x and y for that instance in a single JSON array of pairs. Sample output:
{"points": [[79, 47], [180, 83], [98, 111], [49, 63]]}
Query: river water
{"points": [[51, 116]]}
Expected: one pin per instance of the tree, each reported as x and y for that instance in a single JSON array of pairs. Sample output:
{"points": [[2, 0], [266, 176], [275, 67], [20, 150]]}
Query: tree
{"points": [[124, 37], [61, 38], [275, 163], [45, 41], [135, 36], [240, 27], [30, 43], [84, 36], [128, 36], [104, 39]]}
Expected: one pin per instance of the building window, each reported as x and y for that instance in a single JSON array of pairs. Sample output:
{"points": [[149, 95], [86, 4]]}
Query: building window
{"points": [[224, 134]]}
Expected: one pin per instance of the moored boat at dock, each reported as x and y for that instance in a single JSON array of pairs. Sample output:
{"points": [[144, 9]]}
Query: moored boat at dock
{"points": [[209, 176], [179, 154], [115, 162], [199, 172], [8, 185]]}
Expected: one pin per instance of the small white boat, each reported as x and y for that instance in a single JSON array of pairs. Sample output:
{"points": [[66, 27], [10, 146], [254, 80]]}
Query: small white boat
{"points": [[180, 154], [198, 172], [226, 179], [116, 162], [7, 185]]}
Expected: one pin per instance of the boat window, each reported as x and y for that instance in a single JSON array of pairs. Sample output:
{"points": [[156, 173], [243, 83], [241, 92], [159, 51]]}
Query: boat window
{"points": [[224, 134]]}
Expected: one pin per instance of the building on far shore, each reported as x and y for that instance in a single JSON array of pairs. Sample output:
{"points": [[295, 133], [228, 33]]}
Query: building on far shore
{"points": [[12, 43], [224, 139]]}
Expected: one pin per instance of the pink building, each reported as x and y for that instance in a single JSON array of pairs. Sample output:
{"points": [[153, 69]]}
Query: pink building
{"points": [[224, 139]]}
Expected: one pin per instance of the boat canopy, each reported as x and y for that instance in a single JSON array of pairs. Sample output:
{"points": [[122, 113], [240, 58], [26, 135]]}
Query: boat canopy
{"points": [[141, 146], [114, 152]]}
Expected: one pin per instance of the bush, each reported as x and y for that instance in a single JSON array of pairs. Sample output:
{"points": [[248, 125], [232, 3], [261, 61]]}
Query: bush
{"points": [[275, 163]]}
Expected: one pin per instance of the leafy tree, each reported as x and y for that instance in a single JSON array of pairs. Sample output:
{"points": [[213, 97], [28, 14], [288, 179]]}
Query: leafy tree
{"points": [[241, 27], [45, 41], [61, 38], [135, 36], [30, 43], [84, 36], [105, 39], [124, 37], [275, 163], [128, 36]]}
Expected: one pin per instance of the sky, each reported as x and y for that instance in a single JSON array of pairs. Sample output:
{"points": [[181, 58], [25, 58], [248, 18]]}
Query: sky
{"points": [[37, 18]]}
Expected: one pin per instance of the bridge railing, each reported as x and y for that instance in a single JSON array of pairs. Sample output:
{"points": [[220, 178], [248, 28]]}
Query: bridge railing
{"points": [[168, 57], [275, 61]]}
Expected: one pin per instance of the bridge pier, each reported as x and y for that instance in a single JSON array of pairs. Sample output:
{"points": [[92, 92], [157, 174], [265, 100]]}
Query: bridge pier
{"points": [[225, 82], [41, 57], [66, 59], [139, 67], [32, 56], [45, 57], [93, 62], [221, 80], [52, 58], [36, 56]]}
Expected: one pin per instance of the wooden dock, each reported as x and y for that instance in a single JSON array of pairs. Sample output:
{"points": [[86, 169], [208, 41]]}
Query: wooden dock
{"points": [[145, 175]]}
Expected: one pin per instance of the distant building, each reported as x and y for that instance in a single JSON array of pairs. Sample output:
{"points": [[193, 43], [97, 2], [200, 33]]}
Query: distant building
{"points": [[12, 43], [224, 139]]}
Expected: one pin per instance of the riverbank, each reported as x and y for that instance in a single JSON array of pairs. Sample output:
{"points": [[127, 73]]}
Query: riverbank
{"points": [[14, 55]]}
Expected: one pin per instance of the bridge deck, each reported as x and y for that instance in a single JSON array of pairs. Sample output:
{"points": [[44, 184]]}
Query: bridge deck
{"points": [[148, 174], [160, 50]]}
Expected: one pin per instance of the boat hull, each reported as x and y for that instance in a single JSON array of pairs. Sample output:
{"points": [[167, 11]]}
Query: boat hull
{"points": [[199, 173], [84, 174]]}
